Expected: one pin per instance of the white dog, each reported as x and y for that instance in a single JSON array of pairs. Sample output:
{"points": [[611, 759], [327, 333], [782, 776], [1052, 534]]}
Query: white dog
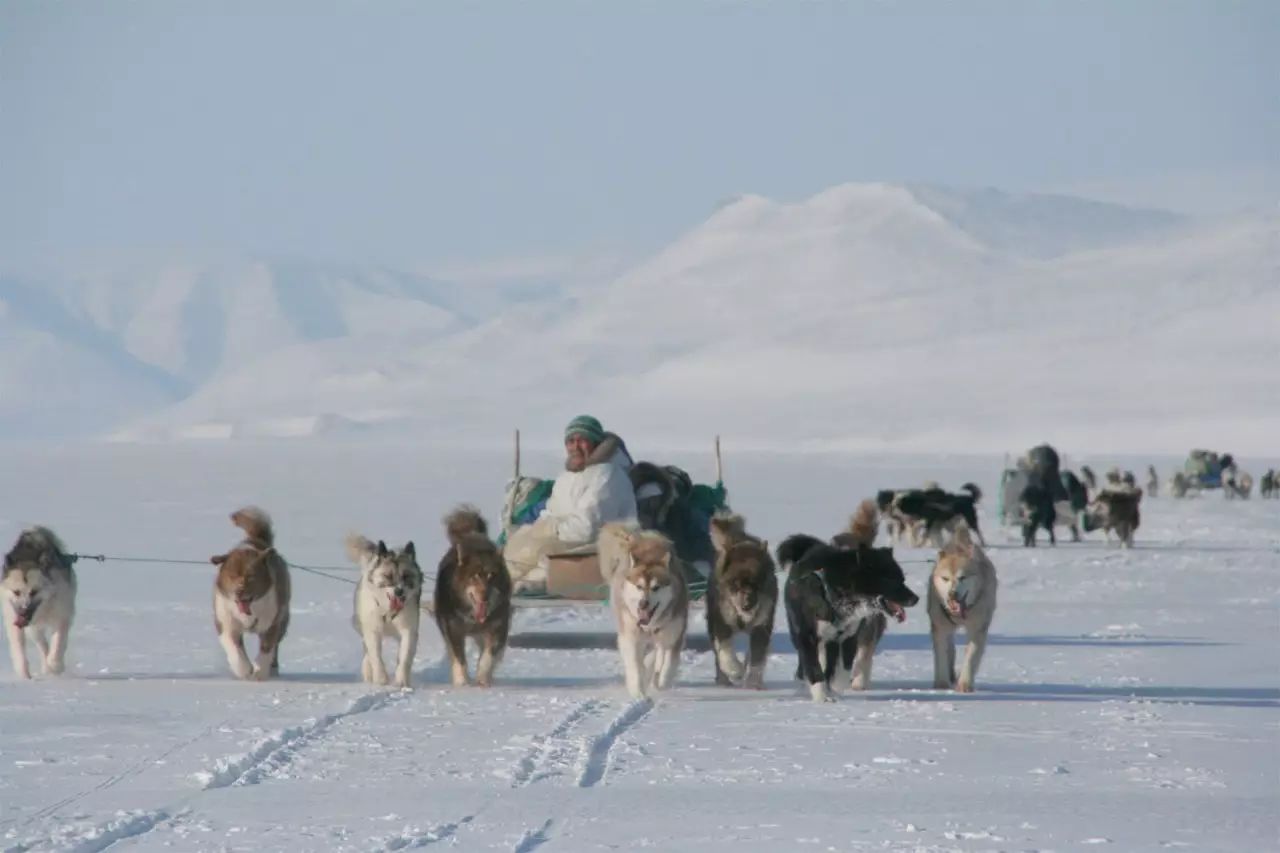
{"points": [[651, 605], [387, 601], [39, 592]]}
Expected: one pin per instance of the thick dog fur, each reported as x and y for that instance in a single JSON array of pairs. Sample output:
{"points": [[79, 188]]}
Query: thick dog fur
{"points": [[38, 589], [931, 513], [858, 652], [388, 600], [611, 546], [962, 594], [1269, 485], [651, 606], [473, 596], [742, 595], [830, 593], [251, 596], [1115, 508]]}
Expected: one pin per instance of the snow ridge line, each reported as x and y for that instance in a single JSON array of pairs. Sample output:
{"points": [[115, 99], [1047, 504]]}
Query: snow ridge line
{"points": [[533, 838], [597, 751], [96, 838], [279, 749], [544, 748], [410, 839]]}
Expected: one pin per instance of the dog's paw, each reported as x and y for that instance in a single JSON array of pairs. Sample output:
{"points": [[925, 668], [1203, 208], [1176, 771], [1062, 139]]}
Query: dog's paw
{"points": [[53, 667], [858, 684], [939, 684], [379, 678], [963, 686], [241, 669], [754, 681], [403, 682], [821, 693]]}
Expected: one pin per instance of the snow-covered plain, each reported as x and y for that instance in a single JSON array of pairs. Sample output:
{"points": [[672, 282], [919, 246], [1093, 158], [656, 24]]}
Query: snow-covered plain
{"points": [[1128, 700]]}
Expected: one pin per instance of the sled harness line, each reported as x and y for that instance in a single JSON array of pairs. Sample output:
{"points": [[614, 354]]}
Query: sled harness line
{"points": [[322, 571]]}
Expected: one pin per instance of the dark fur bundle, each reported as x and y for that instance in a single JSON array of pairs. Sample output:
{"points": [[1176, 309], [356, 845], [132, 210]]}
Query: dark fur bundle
{"points": [[37, 547], [472, 595], [742, 596], [832, 596]]}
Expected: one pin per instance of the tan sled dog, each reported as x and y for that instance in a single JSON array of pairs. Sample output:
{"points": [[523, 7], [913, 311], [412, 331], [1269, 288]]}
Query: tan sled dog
{"points": [[962, 594], [251, 596]]}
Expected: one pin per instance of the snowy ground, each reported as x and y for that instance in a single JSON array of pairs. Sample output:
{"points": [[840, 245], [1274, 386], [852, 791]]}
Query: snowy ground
{"points": [[1128, 699]]}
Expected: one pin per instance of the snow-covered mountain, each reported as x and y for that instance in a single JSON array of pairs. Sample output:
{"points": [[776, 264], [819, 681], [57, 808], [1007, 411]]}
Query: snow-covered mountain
{"points": [[868, 315]]}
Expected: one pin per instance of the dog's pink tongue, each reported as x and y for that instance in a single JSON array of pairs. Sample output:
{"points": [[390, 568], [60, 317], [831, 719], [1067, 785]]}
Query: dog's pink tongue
{"points": [[397, 604], [243, 605], [481, 611], [21, 620], [955, 606]]}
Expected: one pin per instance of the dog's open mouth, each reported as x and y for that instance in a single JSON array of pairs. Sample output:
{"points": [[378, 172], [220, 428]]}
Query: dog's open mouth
{"points": [[22, 618], [957, 608], [397, 603], [893, 608], [644, 615], [244, 604], [480, 610]]}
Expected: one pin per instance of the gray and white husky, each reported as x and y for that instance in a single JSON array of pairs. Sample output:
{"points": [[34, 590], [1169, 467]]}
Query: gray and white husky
{"points": [[388, 600], [39, 592]]}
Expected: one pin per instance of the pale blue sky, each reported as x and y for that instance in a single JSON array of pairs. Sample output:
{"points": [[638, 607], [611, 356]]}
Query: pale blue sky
{"points": [[430, 132]]}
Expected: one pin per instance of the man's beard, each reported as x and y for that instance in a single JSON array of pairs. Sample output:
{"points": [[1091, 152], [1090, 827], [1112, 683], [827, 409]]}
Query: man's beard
{"points": [[575, 462]]}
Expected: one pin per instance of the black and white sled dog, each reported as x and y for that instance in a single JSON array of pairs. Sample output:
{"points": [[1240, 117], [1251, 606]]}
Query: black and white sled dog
{"points": [[932, 513], [388, 600], [742, 595], [830, 593], [39, 592]]}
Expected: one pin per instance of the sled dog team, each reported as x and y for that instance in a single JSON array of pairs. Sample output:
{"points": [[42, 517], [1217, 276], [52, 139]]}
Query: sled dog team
{"points": [[838, 597]]}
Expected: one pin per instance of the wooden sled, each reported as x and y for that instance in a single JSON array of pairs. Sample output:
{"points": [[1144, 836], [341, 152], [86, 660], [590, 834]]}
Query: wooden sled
{"points": [[573, 576]]}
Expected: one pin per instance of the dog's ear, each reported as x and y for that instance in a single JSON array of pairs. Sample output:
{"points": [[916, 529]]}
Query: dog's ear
{"points": [[219, 559], [409, 550], [382, 548], [666, 559]]}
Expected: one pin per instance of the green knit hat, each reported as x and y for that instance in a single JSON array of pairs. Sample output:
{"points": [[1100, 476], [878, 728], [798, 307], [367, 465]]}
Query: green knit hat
{"points": [[586, 426]]}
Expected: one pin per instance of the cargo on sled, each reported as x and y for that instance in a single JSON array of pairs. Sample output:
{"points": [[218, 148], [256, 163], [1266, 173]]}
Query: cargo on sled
{"points": [[667, 500]]}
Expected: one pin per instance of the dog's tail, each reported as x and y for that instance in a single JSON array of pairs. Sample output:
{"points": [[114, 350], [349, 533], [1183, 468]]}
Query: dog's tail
{"points": [[358, 546], [464, 521], [794, 548], [864, 523], [972, 489], [727, 529], [961, 538], [256, 525]]}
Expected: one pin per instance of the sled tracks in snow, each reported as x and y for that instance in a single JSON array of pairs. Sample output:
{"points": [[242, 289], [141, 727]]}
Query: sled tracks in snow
{"points": [[269, 756], [562, 750]]}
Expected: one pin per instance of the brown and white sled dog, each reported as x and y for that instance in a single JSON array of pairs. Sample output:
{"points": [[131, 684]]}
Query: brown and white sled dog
{"points": [[742, 596], [962, 594], [473, 596], [651, 605], [39, 591], [388, 600], [251, 596]]}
